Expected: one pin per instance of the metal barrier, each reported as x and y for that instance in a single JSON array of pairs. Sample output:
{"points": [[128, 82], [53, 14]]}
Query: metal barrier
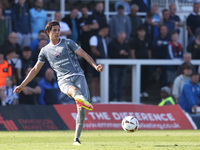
{"points": [[136, 74]]}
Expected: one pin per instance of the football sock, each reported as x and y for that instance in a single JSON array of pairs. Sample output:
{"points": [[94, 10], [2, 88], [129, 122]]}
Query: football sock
{"points": [[79, 123], [76, 93]]}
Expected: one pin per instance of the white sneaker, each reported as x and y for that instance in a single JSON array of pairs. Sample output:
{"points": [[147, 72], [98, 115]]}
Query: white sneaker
{"points": [[145, 94], [77, 142], [98, 99], [94, 99]]}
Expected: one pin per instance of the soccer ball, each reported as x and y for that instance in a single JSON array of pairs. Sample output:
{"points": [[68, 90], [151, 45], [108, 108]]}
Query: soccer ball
{"points": [[130, 124]]}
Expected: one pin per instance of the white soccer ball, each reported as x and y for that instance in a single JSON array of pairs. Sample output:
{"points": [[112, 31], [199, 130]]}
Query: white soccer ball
{"points": [[130, 124]]}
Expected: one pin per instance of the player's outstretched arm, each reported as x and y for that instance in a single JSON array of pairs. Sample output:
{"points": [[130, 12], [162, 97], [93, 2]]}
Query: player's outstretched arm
{"points": [[89, 59], [34, 71]]}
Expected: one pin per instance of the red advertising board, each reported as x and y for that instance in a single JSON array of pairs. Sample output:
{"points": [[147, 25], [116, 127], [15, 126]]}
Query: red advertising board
{"points": [[109, 116]]}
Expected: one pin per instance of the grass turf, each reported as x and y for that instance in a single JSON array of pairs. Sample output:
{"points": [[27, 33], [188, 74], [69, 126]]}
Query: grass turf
{"points": [[101, 140]]}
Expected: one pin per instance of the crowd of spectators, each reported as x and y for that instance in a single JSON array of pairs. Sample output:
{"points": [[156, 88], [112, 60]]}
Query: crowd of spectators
{"points": [[125, 36]]}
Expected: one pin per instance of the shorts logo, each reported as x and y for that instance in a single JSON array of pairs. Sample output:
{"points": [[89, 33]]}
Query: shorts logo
{"points": [[58, 54]]}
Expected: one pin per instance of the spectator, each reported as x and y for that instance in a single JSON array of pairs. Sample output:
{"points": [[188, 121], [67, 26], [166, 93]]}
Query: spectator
{"points": [[186, 60], [5, 69], [41, 35], [72, 21], [12, 42], [140, 50], [193, 22], [64, 28], [36, 51], [175, 18], [180, 81], [118, 48], [16, 66], [3, 30], [136, 21], [6, 93], [144, 5], [149, 28], [38, 18], [29, 93], [165, 94], [123, 3], [21, 23], [119, 23], [98, 50], [98, 14], [168, 23], [194, 48], [175, 51], [156, 19], [189, 99], [49, 89], [88, 25], [159, 51], [160, 44], [26, 60]]}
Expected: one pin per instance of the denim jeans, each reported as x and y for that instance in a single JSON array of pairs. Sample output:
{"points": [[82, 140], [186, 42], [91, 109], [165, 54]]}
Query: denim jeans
{"points": [[118, 76]]}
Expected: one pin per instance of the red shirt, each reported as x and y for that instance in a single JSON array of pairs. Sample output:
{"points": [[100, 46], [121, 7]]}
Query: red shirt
{"points": [[5, 71]]}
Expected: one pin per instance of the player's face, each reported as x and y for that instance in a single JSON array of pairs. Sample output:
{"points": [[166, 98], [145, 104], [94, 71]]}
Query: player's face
{"points": [[54, 33]]}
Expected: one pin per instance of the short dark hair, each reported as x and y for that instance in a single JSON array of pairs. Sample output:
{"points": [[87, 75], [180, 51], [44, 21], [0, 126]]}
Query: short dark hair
{"points": [[142, 27], [120, 7], [50, 25], [149, 15], [187, 66], [173, 32], [9, 50], [164, 10], [26, 49]]}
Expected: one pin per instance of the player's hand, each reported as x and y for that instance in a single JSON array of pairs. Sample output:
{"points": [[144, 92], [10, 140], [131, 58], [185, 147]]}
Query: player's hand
{"points": [[99, 68], [18, 89]]}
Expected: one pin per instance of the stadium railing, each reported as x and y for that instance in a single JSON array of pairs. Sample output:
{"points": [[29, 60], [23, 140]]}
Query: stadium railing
{"points": [[136, 74]]}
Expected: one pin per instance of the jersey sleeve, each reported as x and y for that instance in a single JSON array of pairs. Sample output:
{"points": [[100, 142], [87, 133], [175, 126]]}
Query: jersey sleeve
{"points": [[41, 57], [72, 45]]}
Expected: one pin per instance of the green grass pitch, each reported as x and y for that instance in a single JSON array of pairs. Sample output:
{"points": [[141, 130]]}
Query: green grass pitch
{"points": [[101, 140]]}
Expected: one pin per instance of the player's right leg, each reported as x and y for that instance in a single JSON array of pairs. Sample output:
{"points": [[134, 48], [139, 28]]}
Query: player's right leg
{"points": [[79, 98]]}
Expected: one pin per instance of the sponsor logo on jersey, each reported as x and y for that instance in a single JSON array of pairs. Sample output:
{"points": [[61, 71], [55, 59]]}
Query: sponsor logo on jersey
{"points": [[58, 54]]}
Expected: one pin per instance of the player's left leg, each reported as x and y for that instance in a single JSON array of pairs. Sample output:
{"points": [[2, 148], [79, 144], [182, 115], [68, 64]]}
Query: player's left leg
{"points": [[79, 124]]}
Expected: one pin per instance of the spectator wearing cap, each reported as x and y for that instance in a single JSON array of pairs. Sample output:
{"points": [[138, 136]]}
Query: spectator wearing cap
{"points": [[120, 23], [165, 94], [125, 4], [180, 81], [98, 50], [136, 20], [189, 99]]}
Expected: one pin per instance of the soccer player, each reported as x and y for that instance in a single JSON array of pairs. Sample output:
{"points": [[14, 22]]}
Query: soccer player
{"points": [[61, 55]]}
